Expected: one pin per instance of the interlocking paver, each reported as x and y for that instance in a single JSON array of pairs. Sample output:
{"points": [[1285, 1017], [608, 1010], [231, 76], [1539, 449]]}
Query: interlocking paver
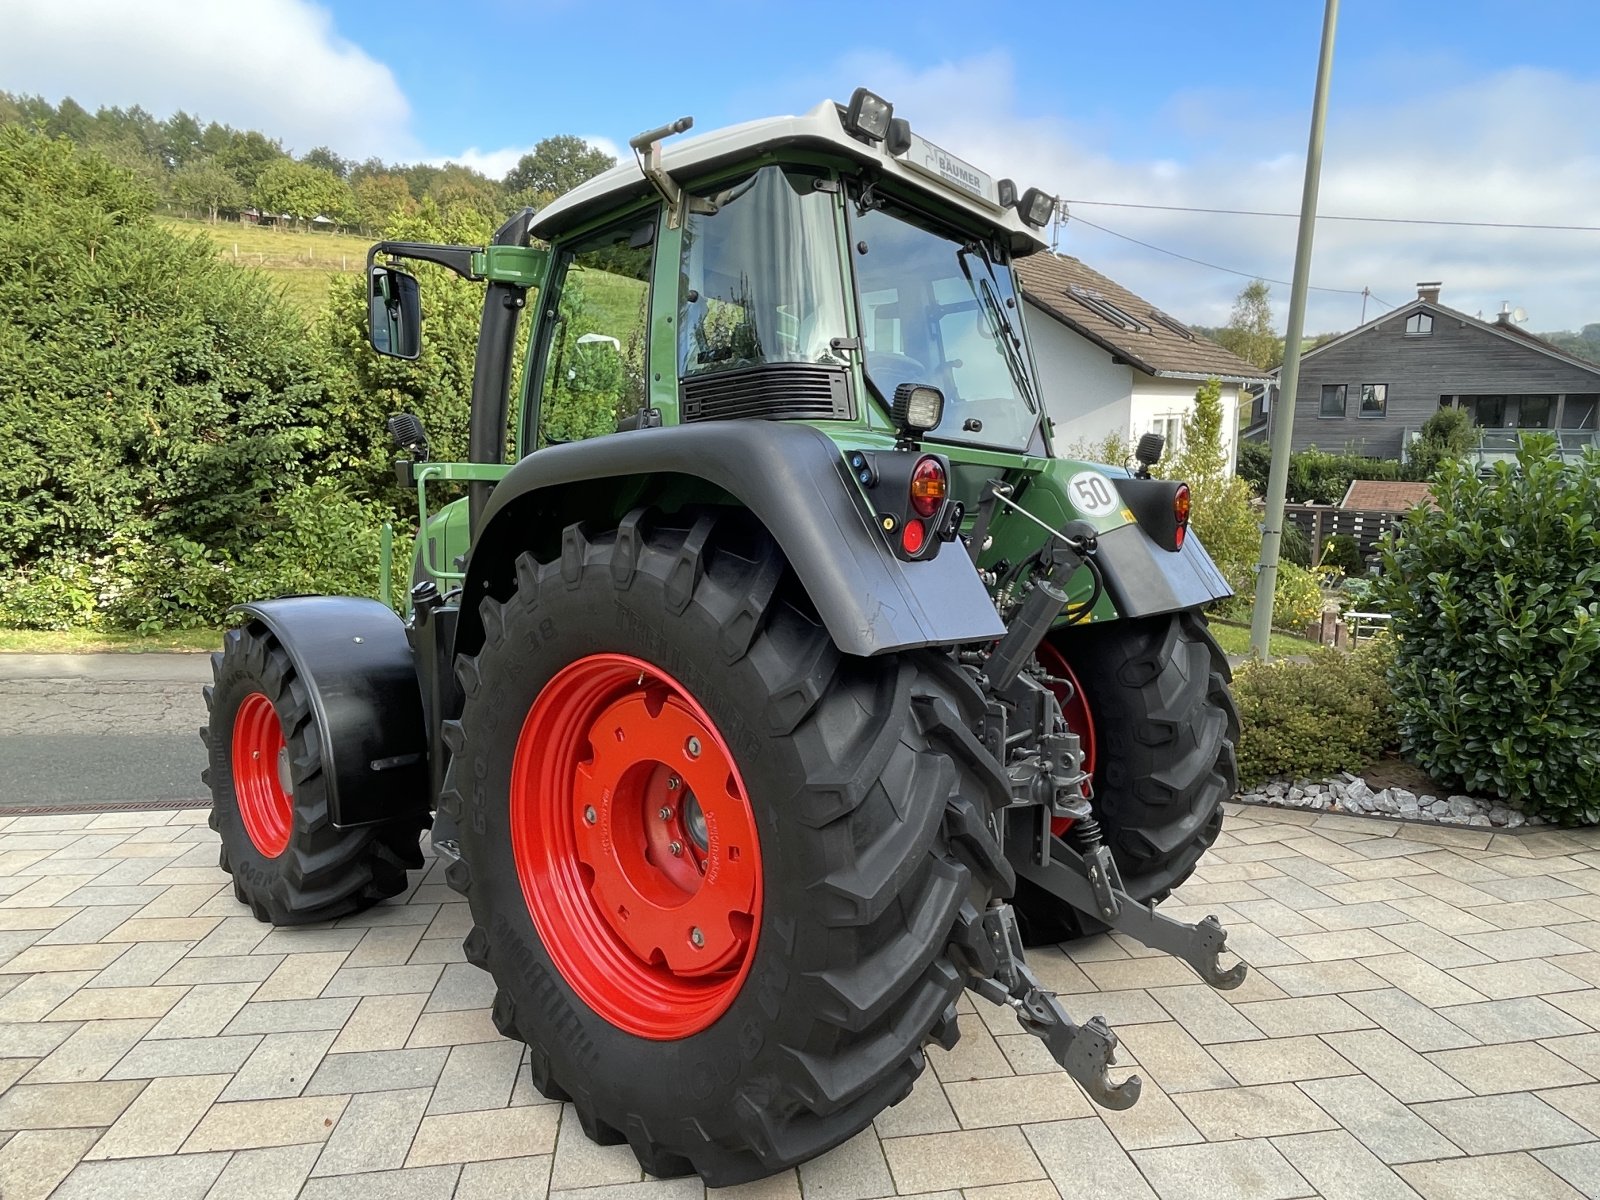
{"points": [[147, 1021]]}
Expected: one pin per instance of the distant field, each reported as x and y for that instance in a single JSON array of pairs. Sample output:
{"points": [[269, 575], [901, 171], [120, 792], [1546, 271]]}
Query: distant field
{"points": [[303, 262]]}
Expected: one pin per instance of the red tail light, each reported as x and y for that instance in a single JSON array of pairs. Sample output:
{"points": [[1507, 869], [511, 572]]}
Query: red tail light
{"points": [[1180, 514], [912, 536], [928, 490]]}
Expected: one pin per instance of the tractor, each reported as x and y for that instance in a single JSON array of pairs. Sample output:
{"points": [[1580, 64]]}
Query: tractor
{"points": [[773, 680]]}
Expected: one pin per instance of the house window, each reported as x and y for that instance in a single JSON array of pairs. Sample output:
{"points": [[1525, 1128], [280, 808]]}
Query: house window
{"points": [[1535, 412], [1332, 400], [1374, 399], [1169, 427], [1419, 325]]}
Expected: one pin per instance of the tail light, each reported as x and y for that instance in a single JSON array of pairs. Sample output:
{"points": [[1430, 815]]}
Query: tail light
{"points": [[913, 536], [929, 486], [1180, 514]]}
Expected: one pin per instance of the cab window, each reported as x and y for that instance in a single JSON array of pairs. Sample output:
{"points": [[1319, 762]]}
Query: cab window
{"points": [[594, 348]]}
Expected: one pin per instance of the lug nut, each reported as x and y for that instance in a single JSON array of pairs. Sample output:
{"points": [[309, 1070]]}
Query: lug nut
{"points": [[698, 938], [693, 747], [588, 813], [676, 849], [672, 783], [664, 812]]}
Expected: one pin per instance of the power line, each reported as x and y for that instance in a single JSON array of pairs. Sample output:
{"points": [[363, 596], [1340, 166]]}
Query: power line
{"points": [[1250, 212], [1200, 262]]}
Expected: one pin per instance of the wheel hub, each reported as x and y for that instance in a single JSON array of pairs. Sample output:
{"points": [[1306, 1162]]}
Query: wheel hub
{"points": [[261, 775], [636, 846]]}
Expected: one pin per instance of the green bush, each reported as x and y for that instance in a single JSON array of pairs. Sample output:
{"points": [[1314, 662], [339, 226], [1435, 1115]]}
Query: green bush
{"points": [[1255, 461], [1333, 712], [1496, 603], [1448, 435], [1317, 477], [1294, 546], [1296, 598], [1220, 512], [1344, 552]]}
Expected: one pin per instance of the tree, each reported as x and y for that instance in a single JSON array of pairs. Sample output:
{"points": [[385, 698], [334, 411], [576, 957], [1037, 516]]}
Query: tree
{"points": [[247, 155], [558, 164], [1249, 332], [205, 185], [326, 160], [300, 191], [379, 199], [1220, 511], [1447, 435]]}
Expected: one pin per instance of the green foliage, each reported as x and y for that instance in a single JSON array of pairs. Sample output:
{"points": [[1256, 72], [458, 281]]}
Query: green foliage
{"points": [[1221, 514], [1447, 435], [1496, 603], [1113, 450], [1294, 546], [204, 185], [1255, 461], [148, 394], [301, 191], [1317, 477], [1344, 552], [1333, 712], [1249, 332], [1585, 343], [557, 165], [1296, 598]]}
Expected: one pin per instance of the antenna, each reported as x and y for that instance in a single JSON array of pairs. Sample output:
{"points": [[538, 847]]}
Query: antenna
{"points": [[1519, 315]]}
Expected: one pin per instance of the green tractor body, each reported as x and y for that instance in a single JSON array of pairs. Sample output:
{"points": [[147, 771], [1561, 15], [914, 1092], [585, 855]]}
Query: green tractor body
{"points": [[774, 680]]}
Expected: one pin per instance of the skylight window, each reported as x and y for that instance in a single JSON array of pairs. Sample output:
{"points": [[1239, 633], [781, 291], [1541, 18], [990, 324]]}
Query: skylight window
{"points": [[1177, 327], [1101, 307]]}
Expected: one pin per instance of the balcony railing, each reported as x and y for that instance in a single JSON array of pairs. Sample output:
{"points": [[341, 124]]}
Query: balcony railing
{"points": [[1497, 445]]}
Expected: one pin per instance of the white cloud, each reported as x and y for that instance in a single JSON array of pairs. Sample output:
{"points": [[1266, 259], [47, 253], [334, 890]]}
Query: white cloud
{"points": [[1515, 145], [274, 65], [496, 163]]}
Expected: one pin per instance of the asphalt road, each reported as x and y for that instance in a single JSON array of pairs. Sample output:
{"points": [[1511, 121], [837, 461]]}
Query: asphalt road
{"points": [[86, 730]]}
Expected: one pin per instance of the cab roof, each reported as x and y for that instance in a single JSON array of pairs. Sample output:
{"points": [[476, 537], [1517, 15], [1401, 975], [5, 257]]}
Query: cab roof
{"points": [[689, 159]]}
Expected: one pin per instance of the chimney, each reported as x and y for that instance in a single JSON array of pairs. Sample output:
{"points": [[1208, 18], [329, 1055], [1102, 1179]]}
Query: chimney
{"points": [[1429, 290], [1503, 317]]}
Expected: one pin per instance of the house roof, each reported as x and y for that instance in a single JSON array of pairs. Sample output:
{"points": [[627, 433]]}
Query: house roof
{"points": [[1385, 495], [1094, 306], [1508, 331]]}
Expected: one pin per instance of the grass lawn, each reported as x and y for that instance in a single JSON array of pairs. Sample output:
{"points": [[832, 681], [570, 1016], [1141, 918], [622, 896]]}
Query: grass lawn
{"points": [[90, 641], [1236, 641], [302, 261]]}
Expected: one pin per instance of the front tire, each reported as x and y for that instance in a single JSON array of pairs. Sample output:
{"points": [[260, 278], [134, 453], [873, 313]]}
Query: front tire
{"points": [[269, 796], [865, 849], [1164, 728]]}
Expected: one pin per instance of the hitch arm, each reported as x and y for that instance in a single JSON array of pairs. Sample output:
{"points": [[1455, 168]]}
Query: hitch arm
{"points": [[1067, 876]]}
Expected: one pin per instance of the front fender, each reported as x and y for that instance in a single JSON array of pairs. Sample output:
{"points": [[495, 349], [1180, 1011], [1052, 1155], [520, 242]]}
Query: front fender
{"points": [[793, 478], [356, 663]]}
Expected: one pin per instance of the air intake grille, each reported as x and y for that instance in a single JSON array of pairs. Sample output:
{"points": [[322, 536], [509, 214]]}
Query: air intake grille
{"points": [[771, 392]]}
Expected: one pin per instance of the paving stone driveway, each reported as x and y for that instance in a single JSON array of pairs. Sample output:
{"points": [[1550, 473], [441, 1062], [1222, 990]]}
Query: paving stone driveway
{"points": [[1421, 1021]]}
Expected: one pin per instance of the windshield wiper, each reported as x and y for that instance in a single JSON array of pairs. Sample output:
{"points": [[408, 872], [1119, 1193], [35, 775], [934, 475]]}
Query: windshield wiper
{"points": [[1000, 324]]}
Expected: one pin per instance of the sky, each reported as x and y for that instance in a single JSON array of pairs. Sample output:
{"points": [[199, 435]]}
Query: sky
{"points": [[1467, 110]]}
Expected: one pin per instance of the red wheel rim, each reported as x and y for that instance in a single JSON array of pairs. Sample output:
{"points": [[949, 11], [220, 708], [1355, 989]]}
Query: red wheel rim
{"points": [[1075, 708], [259, 762], [636, 846]]}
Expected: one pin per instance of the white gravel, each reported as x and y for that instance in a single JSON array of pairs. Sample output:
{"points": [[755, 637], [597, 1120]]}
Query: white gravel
{"points": [[1347, 793]]}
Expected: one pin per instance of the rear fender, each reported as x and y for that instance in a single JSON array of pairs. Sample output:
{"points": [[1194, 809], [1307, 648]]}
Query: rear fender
{"points": [[791, 476], [356, 661]]}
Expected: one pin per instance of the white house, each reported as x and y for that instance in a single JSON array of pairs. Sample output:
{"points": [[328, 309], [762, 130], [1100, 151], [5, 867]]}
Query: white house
{"points": [[1111, 362]]}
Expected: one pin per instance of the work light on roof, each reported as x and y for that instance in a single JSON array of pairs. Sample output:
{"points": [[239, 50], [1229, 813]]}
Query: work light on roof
{"points": [[1036, 207], [868, 115], [917, 407]]}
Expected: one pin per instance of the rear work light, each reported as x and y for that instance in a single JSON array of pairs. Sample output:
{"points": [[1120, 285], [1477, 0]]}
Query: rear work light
{"points": [[929, 487]]}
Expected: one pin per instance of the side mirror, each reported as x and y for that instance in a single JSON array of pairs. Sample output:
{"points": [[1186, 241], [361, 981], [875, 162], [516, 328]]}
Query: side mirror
{"points": [[394, 309]]}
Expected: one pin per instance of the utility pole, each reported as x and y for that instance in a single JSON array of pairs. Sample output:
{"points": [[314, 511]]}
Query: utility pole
{"points": [[1283, 418]]}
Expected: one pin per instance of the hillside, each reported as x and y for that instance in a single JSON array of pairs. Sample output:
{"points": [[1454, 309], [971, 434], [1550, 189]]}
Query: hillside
{"points": [[303, 263]]}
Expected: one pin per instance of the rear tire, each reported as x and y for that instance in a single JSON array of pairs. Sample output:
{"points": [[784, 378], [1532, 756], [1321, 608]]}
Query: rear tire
{"points": [[1165, 730], [873, 843], [288, 862]]}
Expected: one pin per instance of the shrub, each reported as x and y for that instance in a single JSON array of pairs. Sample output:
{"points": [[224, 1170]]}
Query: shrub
{"points": [[1255, 462], [1344, 552], [1447, 435], [1296, 598], [1294, 546], [1330, 713], [1317, 477], [1496, 603], [1221, 514]]}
